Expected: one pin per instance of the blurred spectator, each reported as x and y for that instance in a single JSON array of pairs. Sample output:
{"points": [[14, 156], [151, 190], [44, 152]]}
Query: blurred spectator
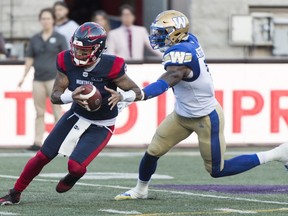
{"points": [[128, 41], [63, 24], [2, 47], [42, 51], [101, 18]]}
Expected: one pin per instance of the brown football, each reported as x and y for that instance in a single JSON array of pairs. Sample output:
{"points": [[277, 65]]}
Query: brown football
{"points": [[93, 97]]}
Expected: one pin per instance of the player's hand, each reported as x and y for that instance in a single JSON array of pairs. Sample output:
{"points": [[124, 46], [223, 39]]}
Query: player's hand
{"points": [[76, 95], [114, 99]]}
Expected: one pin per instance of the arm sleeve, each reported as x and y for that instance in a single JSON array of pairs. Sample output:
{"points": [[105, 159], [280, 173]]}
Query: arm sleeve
{"points": [[60, 64], [118, 69], [155, 89]]}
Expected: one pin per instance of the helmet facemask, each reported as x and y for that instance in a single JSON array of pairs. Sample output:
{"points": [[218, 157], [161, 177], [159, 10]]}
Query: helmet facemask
{"points": [[159, 37], [84, 55]]}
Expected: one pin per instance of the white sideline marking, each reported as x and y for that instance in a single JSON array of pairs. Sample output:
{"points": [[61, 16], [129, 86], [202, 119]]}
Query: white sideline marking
{"points": [[8, 213], [236, 211], [105, 175], [120, 212], [164, 191]]}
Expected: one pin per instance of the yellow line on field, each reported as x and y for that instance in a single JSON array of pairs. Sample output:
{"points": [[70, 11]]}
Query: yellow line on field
{"points": [[213, 212]]}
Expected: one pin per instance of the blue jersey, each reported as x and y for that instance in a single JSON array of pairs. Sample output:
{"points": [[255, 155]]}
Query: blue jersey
{"points": [[106, 70], [195, 93]]}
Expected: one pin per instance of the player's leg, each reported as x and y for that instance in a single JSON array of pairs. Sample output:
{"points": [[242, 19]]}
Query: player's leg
{"points": [[168, 134], [212, 147], [57, 109], [47, 152], [91, 143], [39, 98]]}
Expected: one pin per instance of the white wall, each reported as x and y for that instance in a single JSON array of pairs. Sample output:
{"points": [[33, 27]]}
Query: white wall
{"points": [[254, 99]]}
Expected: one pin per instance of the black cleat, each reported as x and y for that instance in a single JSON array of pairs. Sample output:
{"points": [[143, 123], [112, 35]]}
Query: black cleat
{"points": [[13, 197], [66, 183]]}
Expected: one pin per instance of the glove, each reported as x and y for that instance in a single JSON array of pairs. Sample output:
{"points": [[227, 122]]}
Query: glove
{"points": [[122, 105]]}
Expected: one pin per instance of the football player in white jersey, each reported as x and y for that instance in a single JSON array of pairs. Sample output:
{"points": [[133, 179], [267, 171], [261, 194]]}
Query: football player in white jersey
{"points": [[196, 109]]}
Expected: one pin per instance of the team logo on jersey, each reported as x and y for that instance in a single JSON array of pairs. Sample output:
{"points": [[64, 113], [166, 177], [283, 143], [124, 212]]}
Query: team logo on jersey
{"points": [[85, 74], [180, 22], [177, 57]]}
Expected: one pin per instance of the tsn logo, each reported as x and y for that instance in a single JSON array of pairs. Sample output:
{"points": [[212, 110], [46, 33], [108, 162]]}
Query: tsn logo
{"points": [[180, 22]]}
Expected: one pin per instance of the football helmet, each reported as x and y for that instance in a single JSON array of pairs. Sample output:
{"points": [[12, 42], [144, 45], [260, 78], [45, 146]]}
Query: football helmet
{"points": [[169, 27], [87, 43]]}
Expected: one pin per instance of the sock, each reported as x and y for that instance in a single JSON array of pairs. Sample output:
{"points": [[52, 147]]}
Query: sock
{"points": [[238, 165], [76, 169], [31, 170], [142, 186], [147, 167], [268, 156]]}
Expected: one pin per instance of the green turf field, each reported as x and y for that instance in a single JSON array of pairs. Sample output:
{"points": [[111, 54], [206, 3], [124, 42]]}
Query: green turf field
{"points": [[182, 187]]}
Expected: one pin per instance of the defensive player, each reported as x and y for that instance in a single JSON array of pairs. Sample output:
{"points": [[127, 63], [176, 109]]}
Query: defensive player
{"points": [[79, 134], [196, 109]]}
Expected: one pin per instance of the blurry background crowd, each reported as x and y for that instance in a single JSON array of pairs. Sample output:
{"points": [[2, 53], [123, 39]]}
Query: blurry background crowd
{"points": [[227, 29]]}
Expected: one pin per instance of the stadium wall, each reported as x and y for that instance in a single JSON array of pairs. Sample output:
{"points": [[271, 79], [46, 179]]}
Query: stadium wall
{"points": [[254, 98]]}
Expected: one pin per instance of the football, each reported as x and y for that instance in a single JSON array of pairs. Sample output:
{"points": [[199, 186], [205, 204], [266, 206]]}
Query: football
{"points": [[93, 97]]}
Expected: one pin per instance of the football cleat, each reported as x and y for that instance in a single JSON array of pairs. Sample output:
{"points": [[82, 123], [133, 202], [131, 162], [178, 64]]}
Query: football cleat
{"points": [[130, 195], [66, 183], [13, 197]]}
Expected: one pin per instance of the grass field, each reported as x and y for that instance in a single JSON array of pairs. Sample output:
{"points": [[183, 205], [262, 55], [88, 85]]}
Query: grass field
{"points": [[182, 187]]}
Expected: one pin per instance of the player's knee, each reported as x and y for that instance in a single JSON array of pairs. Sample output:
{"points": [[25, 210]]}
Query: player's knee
{"points": [[76, 169], [215, 174], [155, 150], [41, 157]]}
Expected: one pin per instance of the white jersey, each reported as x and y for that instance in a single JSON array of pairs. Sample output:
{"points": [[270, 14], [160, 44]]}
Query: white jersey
{"points": [[194, 95]]}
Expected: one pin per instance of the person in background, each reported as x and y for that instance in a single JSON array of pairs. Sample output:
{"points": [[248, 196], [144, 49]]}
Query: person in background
{"points": [[101, 18], [2, 47], [63, 24], [42, 51], [129, 41]]}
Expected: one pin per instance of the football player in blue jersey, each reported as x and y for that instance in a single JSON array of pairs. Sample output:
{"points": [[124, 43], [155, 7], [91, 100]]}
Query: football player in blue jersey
{"points": [[196, 109], [80, 133]]}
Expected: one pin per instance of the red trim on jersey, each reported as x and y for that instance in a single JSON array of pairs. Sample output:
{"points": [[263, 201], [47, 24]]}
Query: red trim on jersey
{"points": [[60, 61], [116, 68], [99, 149]]}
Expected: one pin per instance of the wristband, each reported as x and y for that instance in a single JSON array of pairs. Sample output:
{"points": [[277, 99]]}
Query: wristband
{"points": [[66, 97], [143, 95], [128, 96]]}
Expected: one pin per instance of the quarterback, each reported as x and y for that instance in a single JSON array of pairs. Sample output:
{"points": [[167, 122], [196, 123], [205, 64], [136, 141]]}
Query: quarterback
{"points": [[196, 109], [80, 134]]}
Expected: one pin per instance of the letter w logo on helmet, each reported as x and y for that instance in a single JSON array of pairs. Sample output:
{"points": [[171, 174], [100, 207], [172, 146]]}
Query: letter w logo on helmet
{"points": [[180, 22]]}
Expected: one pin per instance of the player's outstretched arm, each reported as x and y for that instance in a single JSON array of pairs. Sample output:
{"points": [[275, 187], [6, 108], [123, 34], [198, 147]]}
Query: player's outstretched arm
{"points": [[131, 91], [173, 75]]}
